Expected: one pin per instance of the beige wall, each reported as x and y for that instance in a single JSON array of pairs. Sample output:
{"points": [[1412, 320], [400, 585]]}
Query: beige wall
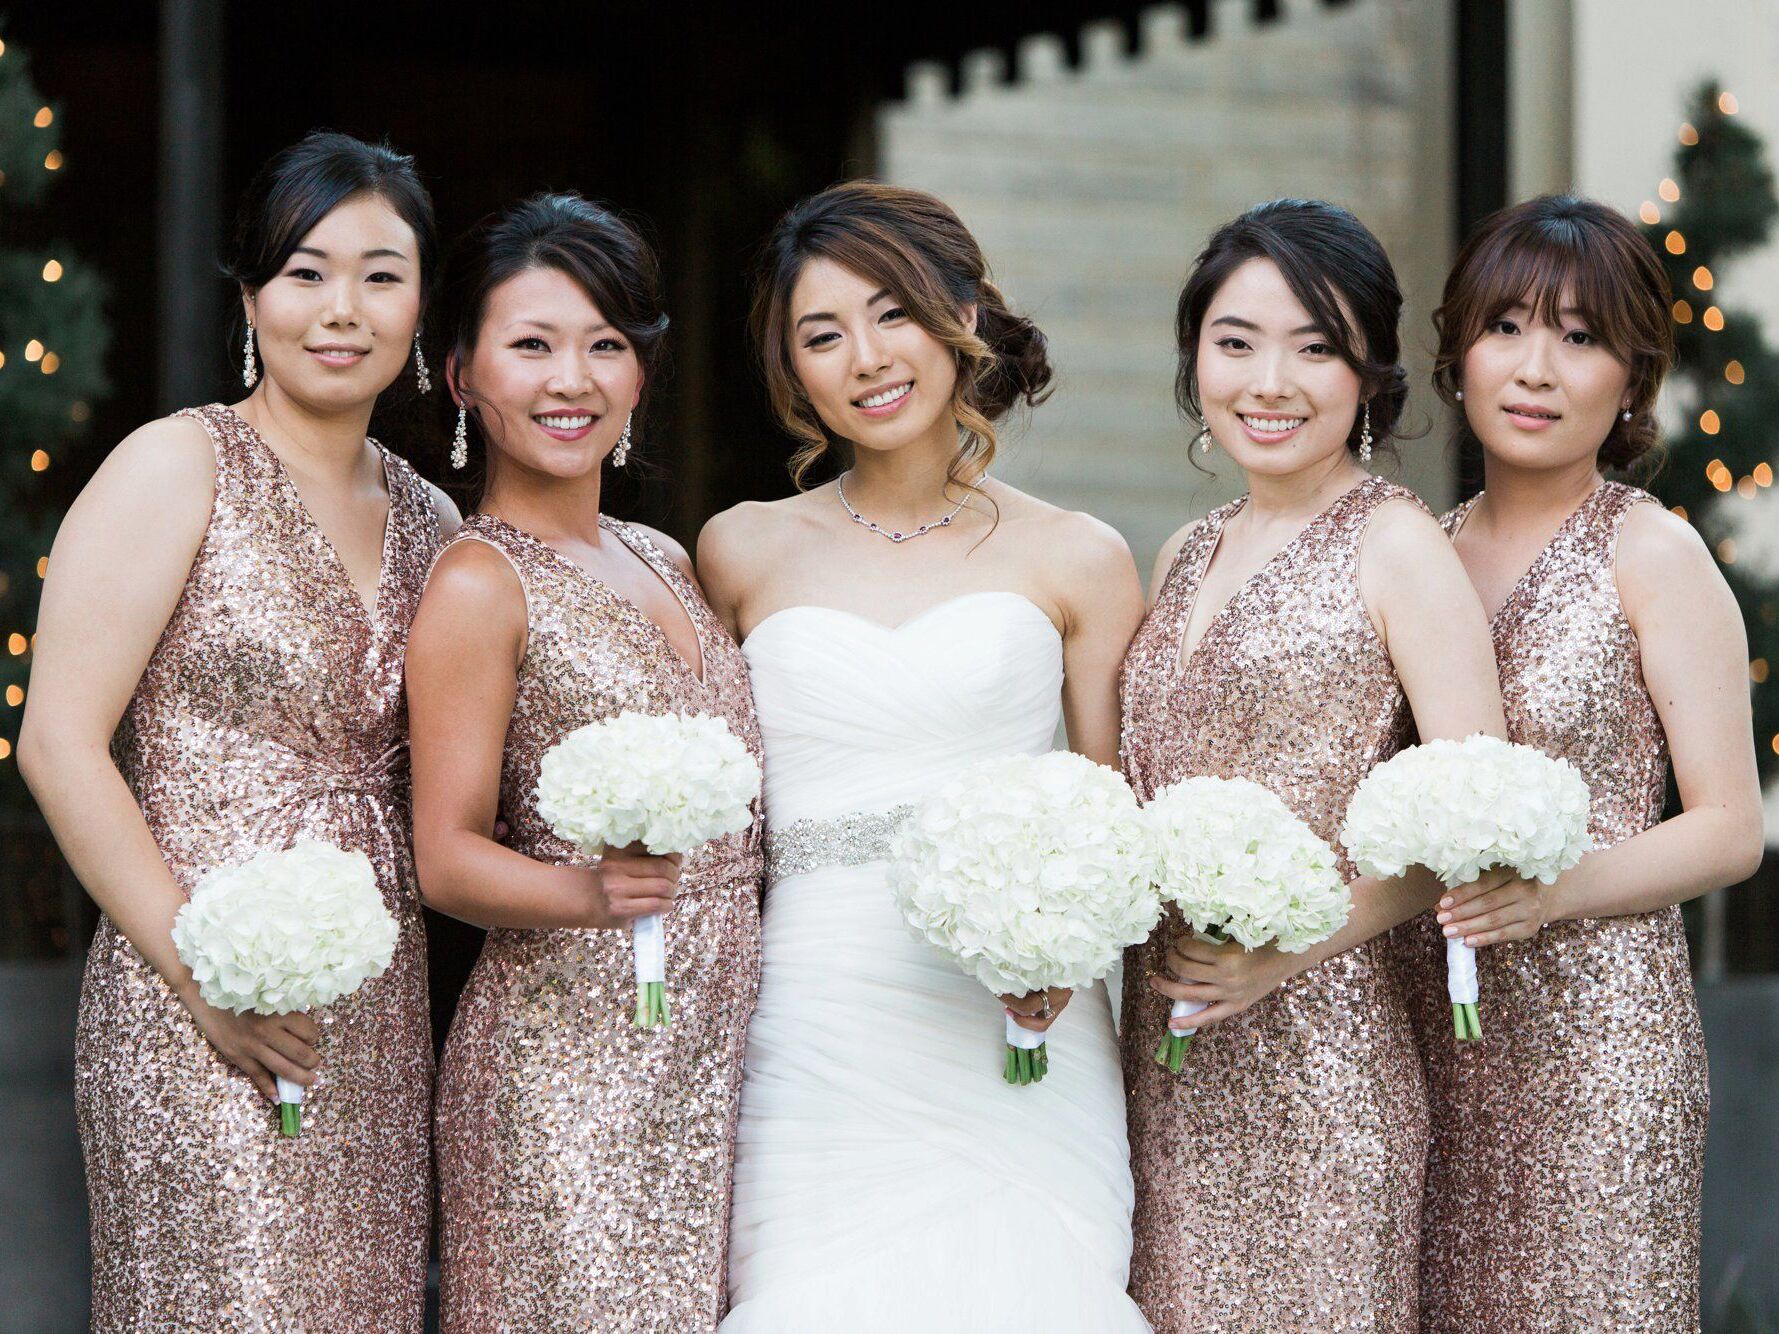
{"points": [[1092, 189]]}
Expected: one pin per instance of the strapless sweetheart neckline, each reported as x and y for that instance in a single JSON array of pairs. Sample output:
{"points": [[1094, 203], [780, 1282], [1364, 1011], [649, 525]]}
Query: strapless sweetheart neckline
{"points": [[908, 623]]}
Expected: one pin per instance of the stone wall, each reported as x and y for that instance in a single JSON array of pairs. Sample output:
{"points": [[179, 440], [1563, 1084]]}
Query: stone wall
{"points": [[1091, 188]]}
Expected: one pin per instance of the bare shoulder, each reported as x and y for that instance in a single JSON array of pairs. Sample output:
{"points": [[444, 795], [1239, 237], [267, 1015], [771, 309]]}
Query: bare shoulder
{"points": [[1084, 559], [473, 579], [444, 508], [1074, 537], [1659, 551], [1400, 529], [755, 532], [1402, 525], [161, 478], [169, 451], [669, 547]]}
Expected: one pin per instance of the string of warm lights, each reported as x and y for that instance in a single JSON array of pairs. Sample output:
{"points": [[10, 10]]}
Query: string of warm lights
{"points": [[1695, 301], [48, 362]]}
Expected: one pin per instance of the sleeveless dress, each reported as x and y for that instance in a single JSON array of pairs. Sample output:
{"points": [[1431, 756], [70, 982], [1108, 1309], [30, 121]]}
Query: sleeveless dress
{"points": [[1568, 1144], [585, 1164], [1278, 1176], [271, 710], [887, 1177]]}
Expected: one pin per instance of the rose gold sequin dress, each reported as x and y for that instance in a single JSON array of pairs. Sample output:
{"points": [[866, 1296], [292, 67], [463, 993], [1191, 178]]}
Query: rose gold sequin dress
{"points": [[1568, 1143], [585, 1165], [1278, 1176], [270, 711]]}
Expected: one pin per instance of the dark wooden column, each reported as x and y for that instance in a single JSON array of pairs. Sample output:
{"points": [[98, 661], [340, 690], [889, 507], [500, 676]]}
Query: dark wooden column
{"points": [[192, 309]]}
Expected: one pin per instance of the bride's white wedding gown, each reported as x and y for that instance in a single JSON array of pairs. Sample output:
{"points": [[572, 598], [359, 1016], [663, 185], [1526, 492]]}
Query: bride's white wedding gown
{"points": [[887, 1177]]}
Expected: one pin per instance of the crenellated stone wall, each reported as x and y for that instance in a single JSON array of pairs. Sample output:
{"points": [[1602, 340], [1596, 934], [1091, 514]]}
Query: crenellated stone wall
{"points": [[1092, 188]]}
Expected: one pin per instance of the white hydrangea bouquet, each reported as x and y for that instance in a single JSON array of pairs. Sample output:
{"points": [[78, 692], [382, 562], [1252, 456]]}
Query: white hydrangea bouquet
{"points": [[668, 781], [1238, 865], [286, 931], [1031, 872], [1459, 808]]}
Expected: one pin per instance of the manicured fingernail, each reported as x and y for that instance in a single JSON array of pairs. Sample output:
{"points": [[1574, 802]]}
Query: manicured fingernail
{"points": [[1445, 917], [1451, 931], [1446, 902]]}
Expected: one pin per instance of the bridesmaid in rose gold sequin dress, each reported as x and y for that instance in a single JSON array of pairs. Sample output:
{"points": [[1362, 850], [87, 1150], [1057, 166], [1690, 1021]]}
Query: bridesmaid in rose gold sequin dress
{"points": [[1568, 1144], [1567, 1160], [270, 711], [1278, 1174], [1293, 1139], [584, 1163]]}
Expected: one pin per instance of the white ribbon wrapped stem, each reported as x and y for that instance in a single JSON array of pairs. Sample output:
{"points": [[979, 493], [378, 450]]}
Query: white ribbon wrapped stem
{"points": [[1181, 1010], [648, 943], [1460, 972], [1023, 1038], [289, 1092]]}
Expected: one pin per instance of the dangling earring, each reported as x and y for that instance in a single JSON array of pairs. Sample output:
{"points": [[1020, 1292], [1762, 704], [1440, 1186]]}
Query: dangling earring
{"points": [[1627, 414], [1459, 395], [420, 374], [1204, 441], [622, 450], [460, 441], [249, 368], [1365, 436]]}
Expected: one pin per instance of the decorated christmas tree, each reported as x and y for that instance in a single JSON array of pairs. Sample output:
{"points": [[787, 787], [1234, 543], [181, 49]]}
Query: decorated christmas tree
{"points": [[53, 340], [1720, 473]]}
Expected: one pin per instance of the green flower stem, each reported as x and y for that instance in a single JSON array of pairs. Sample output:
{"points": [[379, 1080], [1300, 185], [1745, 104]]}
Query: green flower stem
{"points": [[1172, 1051], [651, 1005], [1465, 1021], [290, 1119]]}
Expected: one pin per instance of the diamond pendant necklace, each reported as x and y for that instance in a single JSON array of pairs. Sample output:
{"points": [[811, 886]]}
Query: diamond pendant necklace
{"points": [[922, 531]]}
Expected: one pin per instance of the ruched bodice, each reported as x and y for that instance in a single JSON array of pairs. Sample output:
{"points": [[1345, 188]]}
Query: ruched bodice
{"points": [[859, 716], [887, 1178]]}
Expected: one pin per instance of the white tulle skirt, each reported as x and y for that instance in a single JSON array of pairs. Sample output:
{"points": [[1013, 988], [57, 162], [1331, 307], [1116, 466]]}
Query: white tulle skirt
{"points": [[887, 1177]]}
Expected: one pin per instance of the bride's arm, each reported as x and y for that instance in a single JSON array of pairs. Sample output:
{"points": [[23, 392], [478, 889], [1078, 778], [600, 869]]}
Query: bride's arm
{"points": [[1094, 582], [1091, 579]]}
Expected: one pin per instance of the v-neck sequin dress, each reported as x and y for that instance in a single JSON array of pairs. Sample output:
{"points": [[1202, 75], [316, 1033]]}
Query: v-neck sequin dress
{"points": [[1567, 1159], [1278, 1175], [586, 1165], [271, 710]]}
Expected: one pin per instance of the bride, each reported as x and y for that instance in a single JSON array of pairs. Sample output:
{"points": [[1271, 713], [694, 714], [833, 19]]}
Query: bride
{"points": [[910, 618]]}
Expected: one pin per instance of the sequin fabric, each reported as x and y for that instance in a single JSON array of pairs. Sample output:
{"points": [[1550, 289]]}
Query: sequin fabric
{"points": [[585, 1165], [1568, 1144], [270, 710], [1278, 1176], [846, 840]]}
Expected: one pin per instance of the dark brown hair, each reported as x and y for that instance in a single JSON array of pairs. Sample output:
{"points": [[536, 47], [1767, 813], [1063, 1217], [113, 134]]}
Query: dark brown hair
{"points": [[1556, 250], [914, 245], [584, 241], [1333, 265]]}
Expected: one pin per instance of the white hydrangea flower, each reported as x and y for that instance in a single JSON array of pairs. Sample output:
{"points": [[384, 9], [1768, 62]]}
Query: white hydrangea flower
{"points": [[286, 931], [1461, 807], [670, 782], [1030, 871], [1240, 866]]}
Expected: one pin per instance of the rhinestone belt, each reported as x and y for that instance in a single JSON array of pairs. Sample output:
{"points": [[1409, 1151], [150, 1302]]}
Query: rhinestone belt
{"points": [[846, 840]]}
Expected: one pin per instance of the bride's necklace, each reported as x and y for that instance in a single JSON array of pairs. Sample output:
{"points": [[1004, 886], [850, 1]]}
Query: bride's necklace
{"points": [[922, 531]]}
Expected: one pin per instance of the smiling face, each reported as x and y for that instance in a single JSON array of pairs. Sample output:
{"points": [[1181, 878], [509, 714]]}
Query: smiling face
{"points": [[336, 325], [550, 380], [873, 375], [1274, 391], [1542, 393]]}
